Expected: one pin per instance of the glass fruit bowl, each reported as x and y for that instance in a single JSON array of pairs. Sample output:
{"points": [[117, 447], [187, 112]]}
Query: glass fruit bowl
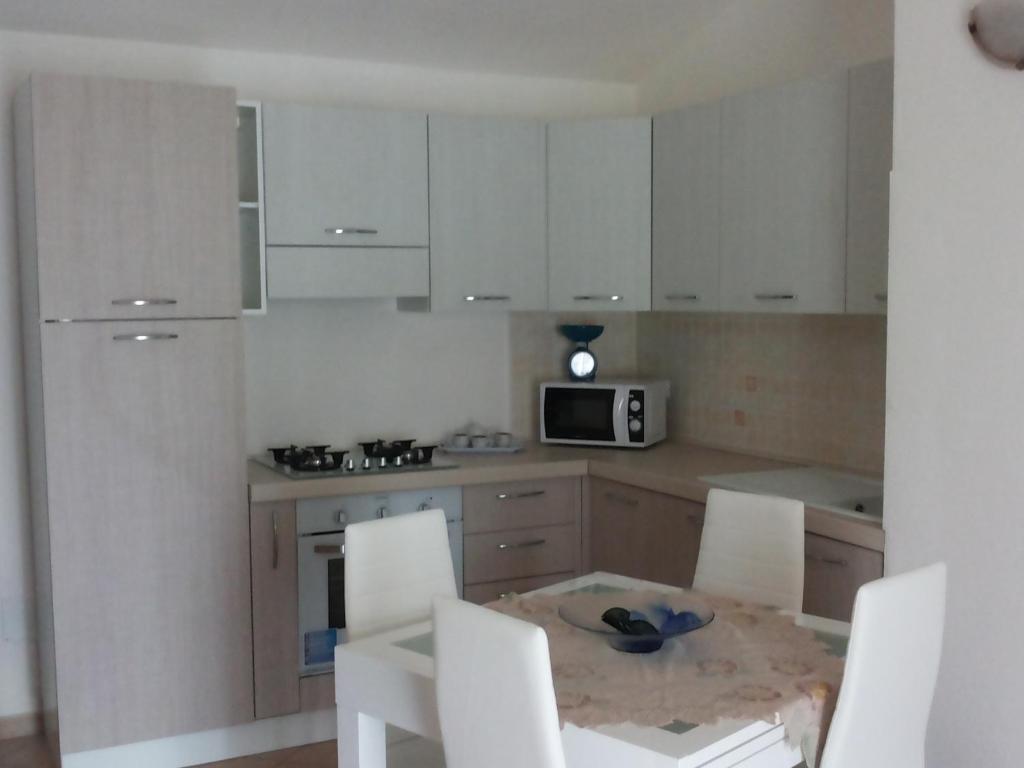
{"points": [[637, 623]]}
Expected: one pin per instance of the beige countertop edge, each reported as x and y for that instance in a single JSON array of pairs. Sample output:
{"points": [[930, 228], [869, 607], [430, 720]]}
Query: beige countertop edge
{"points": [[669, 469]]}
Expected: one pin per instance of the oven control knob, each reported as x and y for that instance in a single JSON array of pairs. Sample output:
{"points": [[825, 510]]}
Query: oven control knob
{"points": [[366, 462], [635, 425], [342, 517], [634, 405]]}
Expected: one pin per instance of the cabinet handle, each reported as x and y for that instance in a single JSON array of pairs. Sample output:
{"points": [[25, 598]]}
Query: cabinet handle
{"points": [[523, 544], [145, 337], [588, 297], [523, 495], [775, 296], [838, 562], [273, 523], [143, 302], [327, 549], [622, 500], [490, 297], [882, 297], [682, 297], [350, 231], [503, 595]]}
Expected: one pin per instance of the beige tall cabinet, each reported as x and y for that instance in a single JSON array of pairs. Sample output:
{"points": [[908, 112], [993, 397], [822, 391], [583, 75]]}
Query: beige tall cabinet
{"points": [[131, 298]]}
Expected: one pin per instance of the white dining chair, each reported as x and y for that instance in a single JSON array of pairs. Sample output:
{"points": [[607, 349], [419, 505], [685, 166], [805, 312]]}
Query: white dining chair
{"points": [[752, 549], [495, 695], [393, 570], [892, 664]]}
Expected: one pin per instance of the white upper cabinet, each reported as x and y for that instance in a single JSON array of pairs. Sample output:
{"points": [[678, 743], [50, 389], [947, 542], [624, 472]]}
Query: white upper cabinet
{"points": [[488, 246], [867, 248], [685, 224], [345, 177], [599, 214], [783, 229]]}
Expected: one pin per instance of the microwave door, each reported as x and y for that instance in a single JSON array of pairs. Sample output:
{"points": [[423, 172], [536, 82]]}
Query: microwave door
{"points": [[582, 414]]}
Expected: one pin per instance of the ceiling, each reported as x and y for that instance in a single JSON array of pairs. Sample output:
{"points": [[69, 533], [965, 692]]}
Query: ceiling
{"points": [[610, 40]]}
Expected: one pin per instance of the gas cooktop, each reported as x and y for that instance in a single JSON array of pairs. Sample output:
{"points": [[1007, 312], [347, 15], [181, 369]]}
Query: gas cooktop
{"points": [[378, 457]]}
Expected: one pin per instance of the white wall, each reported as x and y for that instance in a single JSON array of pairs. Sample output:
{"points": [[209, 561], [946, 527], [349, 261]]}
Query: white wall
{"points": [[754, 43], [311, 370], [955, 415]]}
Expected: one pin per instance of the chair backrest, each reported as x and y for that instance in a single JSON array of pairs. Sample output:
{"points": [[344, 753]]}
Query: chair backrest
{"points": [[892, 664], [495, 697], [752, 549], [393, 569]]}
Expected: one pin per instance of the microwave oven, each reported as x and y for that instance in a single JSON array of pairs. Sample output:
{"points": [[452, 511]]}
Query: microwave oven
{"points": [[613, 414]]}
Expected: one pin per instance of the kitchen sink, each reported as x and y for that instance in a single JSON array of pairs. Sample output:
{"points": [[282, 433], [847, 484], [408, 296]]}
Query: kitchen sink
{"points": [[822, 488]]}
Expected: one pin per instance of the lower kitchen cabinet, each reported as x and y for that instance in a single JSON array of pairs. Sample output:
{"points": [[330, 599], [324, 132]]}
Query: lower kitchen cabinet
{"points": [[520, 536], [275, 614], [646, 535], [833, 572]]}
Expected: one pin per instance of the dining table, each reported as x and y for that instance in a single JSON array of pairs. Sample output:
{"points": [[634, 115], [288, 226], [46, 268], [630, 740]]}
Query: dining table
{"points": [[388, 678]]}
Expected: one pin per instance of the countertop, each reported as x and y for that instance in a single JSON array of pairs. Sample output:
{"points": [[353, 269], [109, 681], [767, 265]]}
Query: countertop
{"points": [[670, 468]]}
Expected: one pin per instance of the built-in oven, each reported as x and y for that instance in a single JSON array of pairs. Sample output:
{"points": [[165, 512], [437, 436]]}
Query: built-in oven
{"points": [[321, 560]]}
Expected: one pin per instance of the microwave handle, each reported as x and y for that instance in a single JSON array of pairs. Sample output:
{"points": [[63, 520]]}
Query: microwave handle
{"points": [[620, 416]]}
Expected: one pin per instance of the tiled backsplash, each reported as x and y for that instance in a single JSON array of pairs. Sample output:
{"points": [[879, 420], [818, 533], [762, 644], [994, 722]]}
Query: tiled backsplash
{"points": [[538, 352], [805, 387]]}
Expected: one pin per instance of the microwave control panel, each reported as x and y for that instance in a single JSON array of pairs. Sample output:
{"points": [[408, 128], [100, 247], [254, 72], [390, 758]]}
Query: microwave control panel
{"points": [[636, 415]]}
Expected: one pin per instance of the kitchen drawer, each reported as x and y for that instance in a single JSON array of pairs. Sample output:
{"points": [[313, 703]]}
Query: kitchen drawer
{"points": [[833, 572], [520, 553], [486, 593], [505, 506]]}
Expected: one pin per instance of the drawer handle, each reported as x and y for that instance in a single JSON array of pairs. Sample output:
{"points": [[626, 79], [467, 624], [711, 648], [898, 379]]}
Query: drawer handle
{"points": [[523, 495], [882, 297], [143, 302], [350, 231], [590, 297], [491, 297], [682, 297], [523, 544], [836, 561], [775, 296], [274, 526], [327, 549], [145, 337], [622, 500], [503, 595]]}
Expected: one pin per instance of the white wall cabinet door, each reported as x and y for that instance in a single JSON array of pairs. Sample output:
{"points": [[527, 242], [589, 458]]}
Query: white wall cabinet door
{"points": [[783, 235], [870, 158], [360, 171], [686, 181], [599, 214], [488, 245]]}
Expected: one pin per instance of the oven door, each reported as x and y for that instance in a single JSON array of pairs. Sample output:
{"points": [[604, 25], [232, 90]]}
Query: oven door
{"points": [[321, 599], [587, 415]]}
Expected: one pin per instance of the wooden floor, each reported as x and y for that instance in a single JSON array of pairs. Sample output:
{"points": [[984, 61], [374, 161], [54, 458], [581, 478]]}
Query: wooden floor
{"points": [[29, 752]]}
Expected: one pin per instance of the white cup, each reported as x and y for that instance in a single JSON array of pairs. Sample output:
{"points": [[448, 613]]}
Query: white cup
{"points": [[460, 440], [502, 439], [480, 441]]}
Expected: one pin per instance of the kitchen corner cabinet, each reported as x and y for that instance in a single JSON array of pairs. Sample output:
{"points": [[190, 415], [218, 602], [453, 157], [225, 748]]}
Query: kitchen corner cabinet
{"points": [[643, 534], [783, 233], [134, 182], [275, 612], [685, 220], [870, 164], [488, 247], [355, 181], [599, 215]]}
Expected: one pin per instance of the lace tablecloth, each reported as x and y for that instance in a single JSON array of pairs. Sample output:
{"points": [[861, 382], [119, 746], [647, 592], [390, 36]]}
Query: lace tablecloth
{"points": [[751, 662]]}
